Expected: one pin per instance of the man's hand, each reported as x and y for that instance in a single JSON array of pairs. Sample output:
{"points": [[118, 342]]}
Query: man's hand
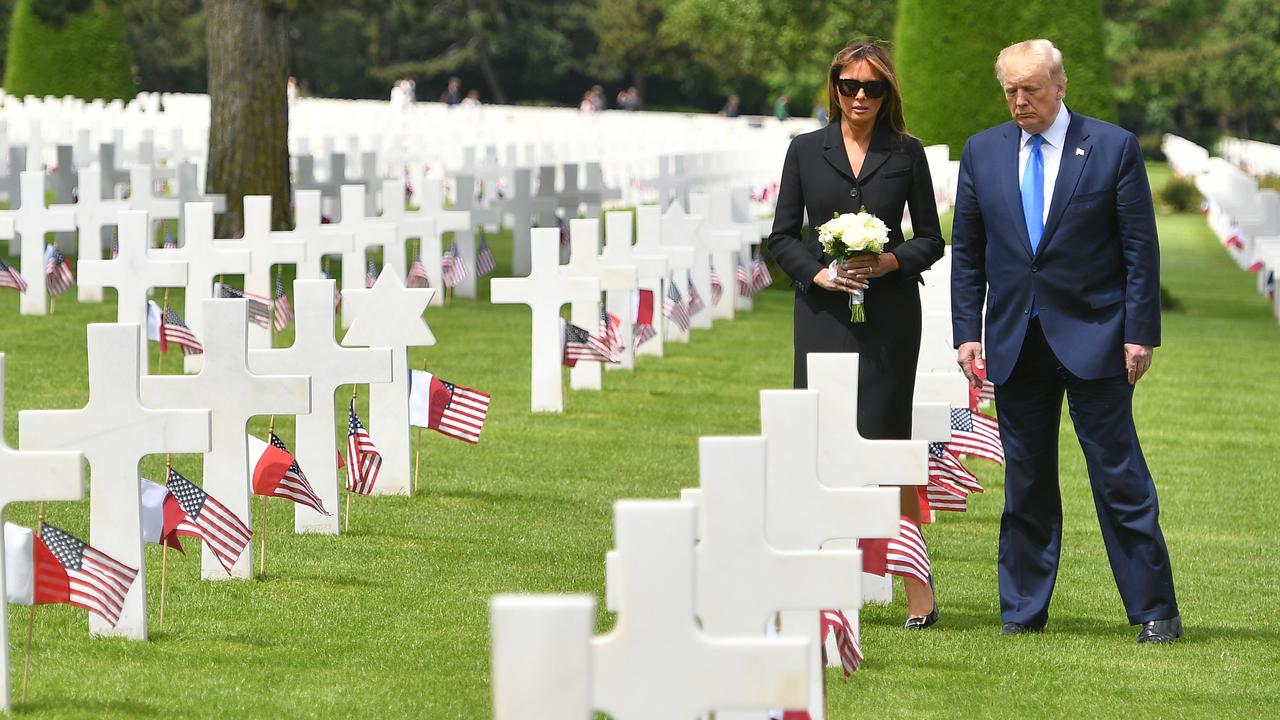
{"points": [[1137, 361], [969, 358]]}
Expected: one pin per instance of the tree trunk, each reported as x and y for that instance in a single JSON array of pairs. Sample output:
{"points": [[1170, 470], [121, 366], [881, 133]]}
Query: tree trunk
{"points": [[248, 43], [480, 43]]}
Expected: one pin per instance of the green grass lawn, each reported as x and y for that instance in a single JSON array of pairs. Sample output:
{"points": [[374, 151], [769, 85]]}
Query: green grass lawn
{"points": [[391, 620]]}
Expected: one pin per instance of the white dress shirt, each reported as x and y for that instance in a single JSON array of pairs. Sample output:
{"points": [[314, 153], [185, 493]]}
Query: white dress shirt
{"points": [[1054, 138]]}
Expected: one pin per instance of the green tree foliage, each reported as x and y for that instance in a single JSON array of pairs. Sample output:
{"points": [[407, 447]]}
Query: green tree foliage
{"points": [[786, 45], [68, 47], [946, 51]]}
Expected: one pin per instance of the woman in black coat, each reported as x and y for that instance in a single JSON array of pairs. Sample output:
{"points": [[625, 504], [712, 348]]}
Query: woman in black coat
{"points": [[863, 159]]}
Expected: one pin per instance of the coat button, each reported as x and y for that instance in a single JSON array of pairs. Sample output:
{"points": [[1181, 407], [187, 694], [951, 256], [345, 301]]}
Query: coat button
{"points": [[1035, 269], [853, 192], [1026, 310]]}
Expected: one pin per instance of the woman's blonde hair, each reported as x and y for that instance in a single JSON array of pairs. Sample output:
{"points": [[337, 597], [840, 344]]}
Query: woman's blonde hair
{"points": [[878, 58]]}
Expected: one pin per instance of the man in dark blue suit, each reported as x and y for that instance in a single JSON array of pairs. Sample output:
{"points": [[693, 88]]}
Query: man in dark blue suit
{"points": [[1054, 225]]}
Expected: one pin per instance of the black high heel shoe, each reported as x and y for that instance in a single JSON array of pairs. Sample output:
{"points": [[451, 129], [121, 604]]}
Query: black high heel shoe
{"points": [[921, 622]]}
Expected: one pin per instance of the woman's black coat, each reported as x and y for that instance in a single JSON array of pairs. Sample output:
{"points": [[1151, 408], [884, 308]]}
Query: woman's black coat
{"points": [[817, 180]]}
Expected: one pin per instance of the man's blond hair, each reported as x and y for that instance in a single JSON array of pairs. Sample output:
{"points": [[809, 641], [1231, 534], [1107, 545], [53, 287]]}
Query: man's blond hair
{"points": [[1040, 51]]}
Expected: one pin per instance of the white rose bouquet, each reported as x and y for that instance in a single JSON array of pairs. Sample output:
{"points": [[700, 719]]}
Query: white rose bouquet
{"points": [[847, 235]]}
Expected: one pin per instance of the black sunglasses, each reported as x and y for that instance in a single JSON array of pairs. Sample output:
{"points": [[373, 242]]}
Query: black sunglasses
{"points": [[874, 89]]}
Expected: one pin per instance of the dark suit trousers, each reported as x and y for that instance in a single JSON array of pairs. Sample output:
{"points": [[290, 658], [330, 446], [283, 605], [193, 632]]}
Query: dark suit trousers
{"points": [[1030, 409]]}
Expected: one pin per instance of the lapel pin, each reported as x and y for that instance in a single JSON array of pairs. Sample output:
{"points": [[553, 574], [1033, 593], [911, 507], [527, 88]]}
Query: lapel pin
{"points": [[1079, 152]]}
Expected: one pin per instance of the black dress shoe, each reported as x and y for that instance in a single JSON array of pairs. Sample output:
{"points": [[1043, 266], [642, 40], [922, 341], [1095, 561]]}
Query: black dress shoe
{"points": [[1159, 632], [921, 622], [1013, 628]]}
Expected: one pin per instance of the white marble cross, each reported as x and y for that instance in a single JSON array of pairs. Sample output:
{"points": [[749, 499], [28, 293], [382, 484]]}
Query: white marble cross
{"points": [[682, 229], [657, 663], [366, 232], [616, 280], [93, 215], [481, 217], [719, 213], [62, 178], [234, 395], [389, 315], [541, 667], [432, 247], [804, 514], [315, 352], [133, 272], [679, 265], [545, 291], [742, 579], [651, 268], [142, 195], [523, 206], [206, 259], [266, 249], [31, 476], [331, 186], [115, 431], [321, 239], [31, 222], [408, 225]]}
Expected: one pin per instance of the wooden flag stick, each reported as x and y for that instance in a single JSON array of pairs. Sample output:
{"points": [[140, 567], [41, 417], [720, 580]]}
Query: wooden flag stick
{"points": [[164, 553], [31, 623], [266, 509], [346, 524], [163, 345], [417, 445]]}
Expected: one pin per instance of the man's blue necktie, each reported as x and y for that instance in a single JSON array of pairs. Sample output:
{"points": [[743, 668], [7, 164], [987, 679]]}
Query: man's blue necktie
{"points": [[1033, 192], [1033, 199]]}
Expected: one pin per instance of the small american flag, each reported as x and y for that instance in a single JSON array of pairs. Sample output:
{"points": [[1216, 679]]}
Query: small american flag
{"points": [[717, 287], [745, 287], [293, 484], [673, 307], [973, 433], [696, 305], [452, 269], [9, 278], [946, 467], [942, 496], [835, 621], [485, 264], [564, 231], [761, 278], [258, 307], [170, 243], [94, 580], [363, 460], [115, 243], [283, 309], [582, 345], [205, 518], [174, 330], [1234, 239], [643, 331], [417, 275], [57, 271], [370, 275], [905, 555], [1268, 288], [609, 324], [448, 409]]}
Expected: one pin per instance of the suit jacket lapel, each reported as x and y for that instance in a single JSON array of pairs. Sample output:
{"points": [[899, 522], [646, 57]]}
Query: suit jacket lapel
{"points": [[1075, 153], [834, 152], [1008, 164], [877, 152]]}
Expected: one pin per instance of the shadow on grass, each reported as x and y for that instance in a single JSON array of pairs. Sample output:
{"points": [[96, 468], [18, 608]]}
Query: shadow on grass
{"points": [[492, 497]]}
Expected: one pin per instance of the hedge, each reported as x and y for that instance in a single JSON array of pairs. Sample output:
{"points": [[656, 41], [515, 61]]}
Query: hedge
{"points": [[945, 54], [81, 50]]}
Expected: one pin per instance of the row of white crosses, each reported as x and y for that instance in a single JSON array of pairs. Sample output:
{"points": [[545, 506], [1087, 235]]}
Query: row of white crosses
{"points": [[670, 246], [775, 520]]}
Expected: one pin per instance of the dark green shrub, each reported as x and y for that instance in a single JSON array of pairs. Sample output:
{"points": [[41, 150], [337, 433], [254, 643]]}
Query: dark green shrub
{"points": [[945, 53], [73, 47], [1180, 195]]}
